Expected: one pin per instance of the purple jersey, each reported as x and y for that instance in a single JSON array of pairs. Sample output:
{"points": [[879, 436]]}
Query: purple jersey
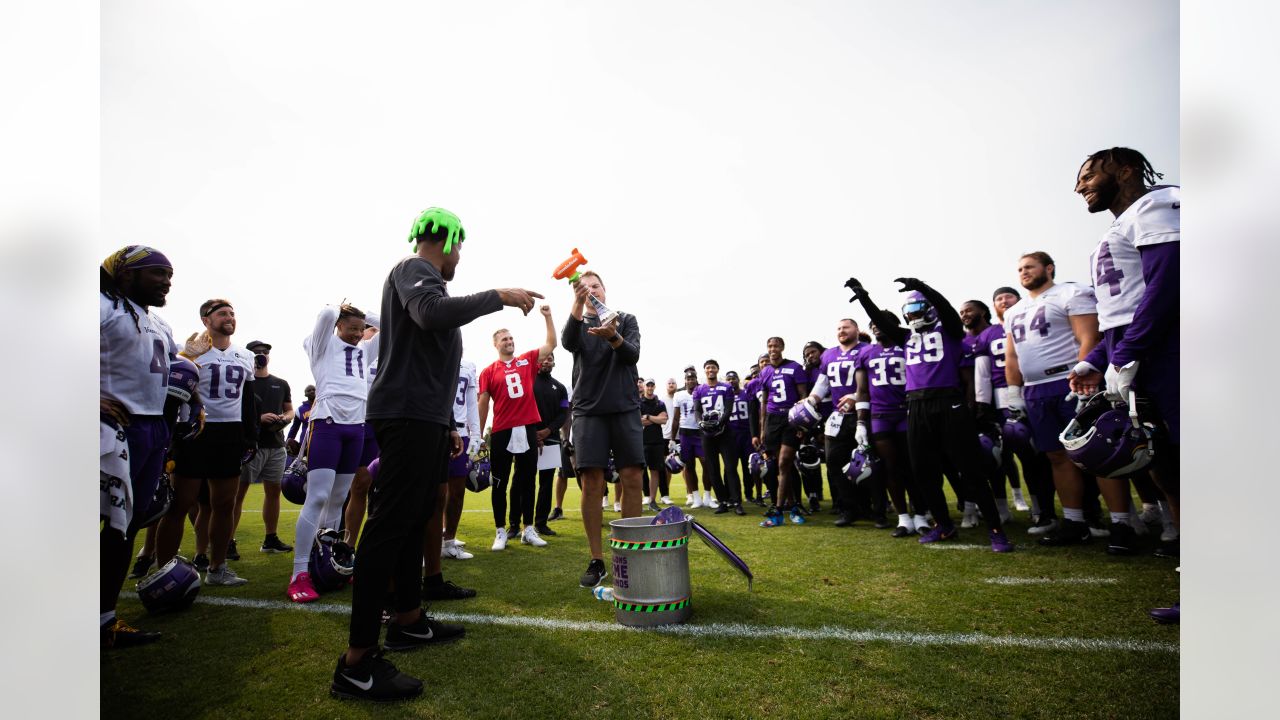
{"points": [[886, 377], [839, 365], [990, 343], [970, 345], [738, 415], [717, 397], [933, 360], [825, 406], [781, 385]]}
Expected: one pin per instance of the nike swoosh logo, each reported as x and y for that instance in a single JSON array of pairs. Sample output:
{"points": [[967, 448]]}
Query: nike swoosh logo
{"points": [[430, 634], [362, 685], [955, 407]]}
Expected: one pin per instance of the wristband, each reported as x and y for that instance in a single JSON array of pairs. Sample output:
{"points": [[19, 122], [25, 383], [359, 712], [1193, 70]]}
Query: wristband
{"points": [[862, 405]]}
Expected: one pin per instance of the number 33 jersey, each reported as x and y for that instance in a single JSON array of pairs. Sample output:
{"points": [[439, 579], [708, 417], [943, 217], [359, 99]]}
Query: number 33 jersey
{"points": [[223, 374], [510, 386], [1116, 263], [1041, 331]]}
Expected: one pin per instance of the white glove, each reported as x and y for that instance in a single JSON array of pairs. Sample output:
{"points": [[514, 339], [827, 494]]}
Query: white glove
{"points": [[1084, 368], [860, 434], [1120, 381], [674, 447]]}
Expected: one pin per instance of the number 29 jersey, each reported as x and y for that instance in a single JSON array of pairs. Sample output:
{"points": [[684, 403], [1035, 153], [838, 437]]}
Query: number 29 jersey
{"points": [[510, 387]]}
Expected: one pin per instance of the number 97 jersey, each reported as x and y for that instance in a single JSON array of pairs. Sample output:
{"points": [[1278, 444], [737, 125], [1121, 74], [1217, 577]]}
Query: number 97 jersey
{"points": [[510, 388]]}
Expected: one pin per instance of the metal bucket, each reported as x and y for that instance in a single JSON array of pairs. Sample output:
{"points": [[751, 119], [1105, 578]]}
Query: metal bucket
{"points": [[650, 572]]}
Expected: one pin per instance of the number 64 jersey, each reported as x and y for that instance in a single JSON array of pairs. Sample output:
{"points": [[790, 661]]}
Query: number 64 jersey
{"points": [[1041, 330]]}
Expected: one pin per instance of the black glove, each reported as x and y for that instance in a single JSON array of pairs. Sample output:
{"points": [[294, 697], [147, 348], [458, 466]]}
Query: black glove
{"points": [[987, 417], [909, 284], [859, 292]]}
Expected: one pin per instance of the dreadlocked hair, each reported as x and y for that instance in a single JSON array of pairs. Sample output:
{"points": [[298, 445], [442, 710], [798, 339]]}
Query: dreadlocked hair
{"points": [[1130, 158], [347, 310], [107, 286]]}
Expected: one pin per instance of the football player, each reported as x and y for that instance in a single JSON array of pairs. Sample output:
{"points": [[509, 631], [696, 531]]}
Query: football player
{"points": [[811, 478], [976, 318], [784, 383], [689, 438], [230, 435], [835, 378], [357, 503], [340, 358], [940, 425], [1135, 268], [713, 402], [508, 383], [740, 435], [466, 418], [135, 347], [553, 406]]}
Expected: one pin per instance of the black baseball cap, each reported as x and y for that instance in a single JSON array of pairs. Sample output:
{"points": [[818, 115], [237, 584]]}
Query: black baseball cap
{"points": [[256, 345]]}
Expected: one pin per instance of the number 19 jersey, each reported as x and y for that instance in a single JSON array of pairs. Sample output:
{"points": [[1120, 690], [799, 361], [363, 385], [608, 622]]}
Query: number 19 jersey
{"points": [[510, 387]]}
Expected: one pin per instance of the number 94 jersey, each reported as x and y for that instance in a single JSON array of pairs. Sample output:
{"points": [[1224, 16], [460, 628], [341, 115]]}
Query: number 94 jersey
{"points": [[1041, 331], [510, 388]]}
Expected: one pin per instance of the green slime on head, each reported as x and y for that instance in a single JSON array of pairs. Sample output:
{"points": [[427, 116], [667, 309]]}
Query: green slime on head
{"points": [[434, 218]]}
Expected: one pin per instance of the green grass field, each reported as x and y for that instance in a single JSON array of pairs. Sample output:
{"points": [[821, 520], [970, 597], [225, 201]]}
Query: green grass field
{"points": [[841, 623]]}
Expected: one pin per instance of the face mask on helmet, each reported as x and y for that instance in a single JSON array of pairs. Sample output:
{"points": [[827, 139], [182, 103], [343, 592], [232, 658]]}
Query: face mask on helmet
{"points": [[172, 587], [860, 466], [809, 457], [674, 463], [478, 475], [184, 379], [1105, 440], [919, 313], [804, 415], [332, 561], [712, 422]]}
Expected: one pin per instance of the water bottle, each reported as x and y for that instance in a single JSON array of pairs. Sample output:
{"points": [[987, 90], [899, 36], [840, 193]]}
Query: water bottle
{"points": [[603, 593]]}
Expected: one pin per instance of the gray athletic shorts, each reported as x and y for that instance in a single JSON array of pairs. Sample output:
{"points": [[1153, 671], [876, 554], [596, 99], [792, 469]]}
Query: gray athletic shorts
{"points": [[267, 465], [595, 435]]}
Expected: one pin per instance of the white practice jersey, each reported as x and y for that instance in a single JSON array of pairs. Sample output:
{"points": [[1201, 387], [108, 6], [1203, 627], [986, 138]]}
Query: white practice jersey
{"points": [[1041, 330], [685, 402], [670, 404], [133, 360], [466, 407], [223, 374], [341, 370], [1116, 264]]}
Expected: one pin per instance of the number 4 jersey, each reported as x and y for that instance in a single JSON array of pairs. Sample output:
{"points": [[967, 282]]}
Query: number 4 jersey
{"points": [[510, 388], [125, 349], [1117, 263], [1041, 331]]}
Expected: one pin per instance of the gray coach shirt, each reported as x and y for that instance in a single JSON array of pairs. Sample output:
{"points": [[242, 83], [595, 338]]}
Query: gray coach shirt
{"points": [[421, 345], [604, 379]]}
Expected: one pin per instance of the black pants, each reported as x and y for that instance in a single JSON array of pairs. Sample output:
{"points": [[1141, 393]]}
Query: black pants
{"points": [[717, 448], [1039, 476], [415, 460], [839, 451], [655, 461], [941, 430], [542, 510], [522, 485]]}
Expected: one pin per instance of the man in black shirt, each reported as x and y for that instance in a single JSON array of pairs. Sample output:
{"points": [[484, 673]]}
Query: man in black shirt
{"points": [[653, 415], [411, 409], [552, 399], [267, 465]]}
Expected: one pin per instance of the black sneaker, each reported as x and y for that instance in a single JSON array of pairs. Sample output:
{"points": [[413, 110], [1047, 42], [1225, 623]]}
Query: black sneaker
{"points": [[426, 630], [373, 678], [882, 523], [1069, 532], [901, 531], [759, 502], [737, 509], [594, 574], [201, 562], [1167, 549], [273, 545], [141, 566], [233, 553], [446, 591], [724, 508], [545, 531], [652, 506], [513, 533], [845, 520], [122, 635], [1123, 539], [813, 504], [556, 514]]}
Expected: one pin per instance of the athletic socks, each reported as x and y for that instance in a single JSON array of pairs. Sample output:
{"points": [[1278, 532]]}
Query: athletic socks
{"points": [[1074, 514], [905, 521]]}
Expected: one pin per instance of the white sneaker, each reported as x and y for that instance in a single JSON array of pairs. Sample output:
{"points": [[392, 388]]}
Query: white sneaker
{"points": [[1170, 533], [500, 540], [1019, 502], [459, 543], [223, 576], [450, 549], [691, 499], [646, 500], [970, 519], [1135, 522], [530, 537], [604, 503], [666, 500], [708, 501], [1043, 529], [1150, 513], [1099, 532], [695, 503], [617, 507]]}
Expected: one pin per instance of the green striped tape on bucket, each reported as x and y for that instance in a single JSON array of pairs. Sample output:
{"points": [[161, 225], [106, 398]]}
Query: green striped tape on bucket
{"points": [[652, 545], [660, 607]]}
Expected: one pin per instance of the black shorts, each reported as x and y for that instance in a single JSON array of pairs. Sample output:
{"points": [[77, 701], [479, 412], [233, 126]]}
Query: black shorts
{"points": [[655, 455], [215, 453], [594, 436], [778, 432]]}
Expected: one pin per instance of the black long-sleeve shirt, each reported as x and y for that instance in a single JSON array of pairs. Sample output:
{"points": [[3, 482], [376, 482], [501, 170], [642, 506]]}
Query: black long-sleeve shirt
{"points": [[604, 378], [552, 399]]}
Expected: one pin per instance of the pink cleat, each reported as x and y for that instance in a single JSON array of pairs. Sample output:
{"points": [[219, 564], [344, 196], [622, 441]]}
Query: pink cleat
{"points": [[301, 590]]}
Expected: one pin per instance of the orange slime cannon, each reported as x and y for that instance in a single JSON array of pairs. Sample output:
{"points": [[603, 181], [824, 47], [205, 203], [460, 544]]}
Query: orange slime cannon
{"points": [[569, 268]]}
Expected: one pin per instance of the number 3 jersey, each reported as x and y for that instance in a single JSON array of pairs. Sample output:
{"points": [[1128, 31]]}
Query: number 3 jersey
{"points": [[510, 388], [1041, 331], [1116, 264], [125, 349], [340, 370], [223, 374]]}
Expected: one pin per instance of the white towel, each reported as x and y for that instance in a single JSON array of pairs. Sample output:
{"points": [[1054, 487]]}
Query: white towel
{"points": [[519, 441], [116, 500]]}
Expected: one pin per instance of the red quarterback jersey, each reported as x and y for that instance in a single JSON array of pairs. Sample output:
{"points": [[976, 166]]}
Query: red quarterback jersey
{"points": [[510, 388]]}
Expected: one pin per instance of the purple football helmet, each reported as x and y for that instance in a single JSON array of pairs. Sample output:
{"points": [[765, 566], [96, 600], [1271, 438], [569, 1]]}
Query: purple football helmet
{"points": [[1017, 433], [809, 456], [160, 503], [1104, 440], [184, 379], [294, 483], [861, 465], [674, 463], [992, 449], [172, 587], [332, 561], [919, 313], [757, 465], [479, 474], [712, 423], [804, 415]]}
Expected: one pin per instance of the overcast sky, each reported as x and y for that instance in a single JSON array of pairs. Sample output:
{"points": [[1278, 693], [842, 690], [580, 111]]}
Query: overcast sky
{"points": [[724, 165]]}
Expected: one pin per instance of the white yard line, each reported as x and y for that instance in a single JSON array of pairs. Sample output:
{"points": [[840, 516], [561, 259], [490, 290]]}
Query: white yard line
{"points": [[737, 630], [1051, 581]]}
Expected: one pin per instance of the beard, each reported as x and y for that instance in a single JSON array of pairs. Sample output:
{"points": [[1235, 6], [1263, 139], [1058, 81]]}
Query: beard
{"points": [[1036, 282], [1104, 196]]}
